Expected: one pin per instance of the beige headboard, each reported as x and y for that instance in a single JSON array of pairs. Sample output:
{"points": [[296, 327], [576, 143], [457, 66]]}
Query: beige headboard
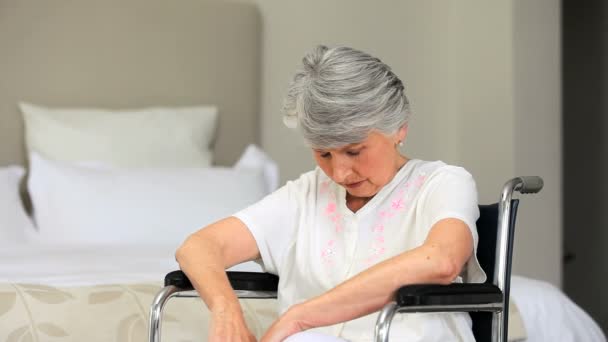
{"points": [[129, 54]]}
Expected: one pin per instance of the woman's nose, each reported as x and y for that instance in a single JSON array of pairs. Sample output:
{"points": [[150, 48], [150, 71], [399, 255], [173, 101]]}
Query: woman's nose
{"points": [[341, 168]]}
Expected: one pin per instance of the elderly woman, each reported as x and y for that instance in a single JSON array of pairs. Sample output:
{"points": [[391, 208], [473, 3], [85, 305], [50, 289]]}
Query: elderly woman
{"points": [[346, 235]]}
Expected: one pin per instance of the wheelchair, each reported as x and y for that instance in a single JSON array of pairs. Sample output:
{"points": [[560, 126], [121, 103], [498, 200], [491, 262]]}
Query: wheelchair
{"points": [[487, 303]]}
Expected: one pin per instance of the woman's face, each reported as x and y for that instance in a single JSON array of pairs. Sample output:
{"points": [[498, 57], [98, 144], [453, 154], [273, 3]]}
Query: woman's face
{"points": [[363, 168]]}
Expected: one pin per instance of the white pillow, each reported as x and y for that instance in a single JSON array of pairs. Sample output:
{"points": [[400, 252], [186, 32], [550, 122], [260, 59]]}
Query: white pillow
{"points": [[256, 158], [175, 137], [14, 222], [85, 204]]}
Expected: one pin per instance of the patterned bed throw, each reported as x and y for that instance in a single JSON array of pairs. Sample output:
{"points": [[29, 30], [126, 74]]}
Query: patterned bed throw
{"points": [[37, 313]]}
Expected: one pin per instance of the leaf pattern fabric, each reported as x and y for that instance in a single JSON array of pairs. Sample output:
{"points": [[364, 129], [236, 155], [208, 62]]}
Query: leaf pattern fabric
{"points": [[39, 313]]}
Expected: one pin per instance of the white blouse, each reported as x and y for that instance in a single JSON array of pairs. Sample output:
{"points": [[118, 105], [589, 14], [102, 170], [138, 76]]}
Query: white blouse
{"points": [[309, 238]]}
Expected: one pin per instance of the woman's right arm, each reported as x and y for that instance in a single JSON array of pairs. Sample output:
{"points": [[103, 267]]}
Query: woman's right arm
{"points": [[204, 257]]}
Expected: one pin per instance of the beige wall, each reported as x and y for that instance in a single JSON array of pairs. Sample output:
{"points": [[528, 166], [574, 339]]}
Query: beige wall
{"points": [[538, 136], [484, 92]]}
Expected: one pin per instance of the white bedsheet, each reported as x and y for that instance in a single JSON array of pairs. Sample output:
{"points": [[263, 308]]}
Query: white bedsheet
{"points": [[549, 315], [69, 265]]}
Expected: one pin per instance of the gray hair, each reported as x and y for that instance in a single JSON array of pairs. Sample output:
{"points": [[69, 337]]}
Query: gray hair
{"points": [[341, 95]]}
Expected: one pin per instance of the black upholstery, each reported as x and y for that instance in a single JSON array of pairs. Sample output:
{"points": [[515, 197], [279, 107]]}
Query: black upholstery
{"points": [[178, 278], [487, 229], [453, 294], [250, 281]]}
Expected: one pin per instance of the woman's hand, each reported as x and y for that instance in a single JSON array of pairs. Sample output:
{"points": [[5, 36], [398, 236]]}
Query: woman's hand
{"points": [[289, 323], [228, 325]]}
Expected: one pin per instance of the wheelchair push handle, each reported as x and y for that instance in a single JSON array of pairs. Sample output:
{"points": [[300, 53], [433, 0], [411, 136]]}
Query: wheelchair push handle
{"points": [[523, 184], [529, 184]]}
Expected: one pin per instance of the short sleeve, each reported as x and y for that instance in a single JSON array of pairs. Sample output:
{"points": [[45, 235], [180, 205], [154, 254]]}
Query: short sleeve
{"points": [[452, 193], [272, 222]]}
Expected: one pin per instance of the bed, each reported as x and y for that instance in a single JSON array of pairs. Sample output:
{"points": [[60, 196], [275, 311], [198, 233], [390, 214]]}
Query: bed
{"points": [[124, 126]]}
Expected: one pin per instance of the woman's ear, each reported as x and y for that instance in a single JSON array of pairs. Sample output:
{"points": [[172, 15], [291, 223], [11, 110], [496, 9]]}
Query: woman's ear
{"points": [[402, 134]]}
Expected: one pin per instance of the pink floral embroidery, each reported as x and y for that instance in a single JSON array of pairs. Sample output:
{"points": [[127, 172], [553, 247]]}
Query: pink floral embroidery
{"points": [[389, 214], [336, 218], [332, 197], [338, 226], [420, 180], [331, 209], [378, 228], [375, 252], [378, 250], [397, 204], [328, 253], [324, 187]]}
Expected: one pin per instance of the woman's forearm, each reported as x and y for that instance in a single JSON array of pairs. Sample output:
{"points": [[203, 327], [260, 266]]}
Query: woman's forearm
{"points": [[204, 258], [438, 261], [371, 289], [206, 254], [201, 259]]}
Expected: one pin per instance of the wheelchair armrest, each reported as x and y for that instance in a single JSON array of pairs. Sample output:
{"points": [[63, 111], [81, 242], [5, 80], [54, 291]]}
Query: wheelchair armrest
{"points": [[253, 281], [452, 294], [250, 281], [179, 279]]}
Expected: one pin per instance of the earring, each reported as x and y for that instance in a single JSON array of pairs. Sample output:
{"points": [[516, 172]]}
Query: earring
{"points": [[400, 143]]}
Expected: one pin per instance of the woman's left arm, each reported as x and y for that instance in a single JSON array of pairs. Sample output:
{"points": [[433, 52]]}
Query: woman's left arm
{"points": [[438, 260]]}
